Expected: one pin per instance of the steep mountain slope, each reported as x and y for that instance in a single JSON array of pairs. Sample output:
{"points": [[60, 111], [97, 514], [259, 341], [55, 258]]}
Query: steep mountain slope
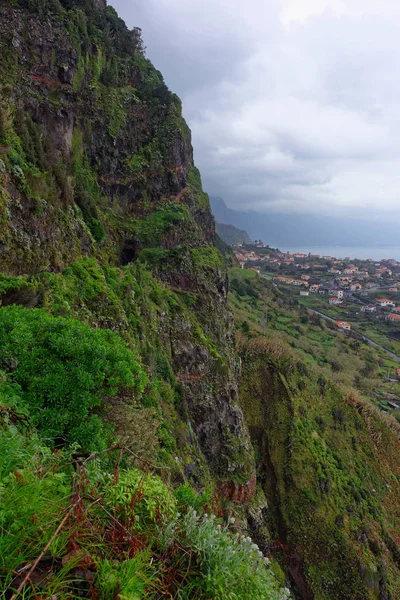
{"points": [[327, 459], [119, 376], [333, 490], [97, 161], [231, 235]]}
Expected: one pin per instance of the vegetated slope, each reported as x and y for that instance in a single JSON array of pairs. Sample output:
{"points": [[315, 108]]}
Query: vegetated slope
{"points": [[327, 461], [97, 162], [119, 404], [114, 327], [231, 235], [329, 467], [76, 524], [346, 359]]}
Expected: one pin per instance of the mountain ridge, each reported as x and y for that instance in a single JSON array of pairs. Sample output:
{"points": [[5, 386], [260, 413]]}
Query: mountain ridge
{"points": [[145, 436], [232, 235]]}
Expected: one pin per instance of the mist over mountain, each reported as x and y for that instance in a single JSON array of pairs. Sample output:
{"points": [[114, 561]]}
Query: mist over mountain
{"points": [[232, 235], [293, 229]]}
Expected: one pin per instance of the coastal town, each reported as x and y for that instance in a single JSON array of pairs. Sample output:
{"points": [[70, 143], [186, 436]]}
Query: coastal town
{"points": [[346, 290], [358, 298]]}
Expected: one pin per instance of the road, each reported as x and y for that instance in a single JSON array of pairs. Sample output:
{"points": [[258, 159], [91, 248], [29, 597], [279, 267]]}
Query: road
{"points": [[364, 337]]}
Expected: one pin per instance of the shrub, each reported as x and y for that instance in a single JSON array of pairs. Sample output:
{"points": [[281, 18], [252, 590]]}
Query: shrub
{"points": [[64, 369], [142, 497], [127, 580], [231, 566]]}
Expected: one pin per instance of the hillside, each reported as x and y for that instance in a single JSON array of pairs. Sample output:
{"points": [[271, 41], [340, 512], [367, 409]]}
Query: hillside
{"points": [[231, 235], [147, 448], [316, 439]]}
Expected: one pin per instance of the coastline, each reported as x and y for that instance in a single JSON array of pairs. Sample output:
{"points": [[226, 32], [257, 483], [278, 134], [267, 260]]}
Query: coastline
{"points": [[354, 252]]}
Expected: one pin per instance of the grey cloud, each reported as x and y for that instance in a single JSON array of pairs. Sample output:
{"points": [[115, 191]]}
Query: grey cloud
{"points": [[302, 117]]}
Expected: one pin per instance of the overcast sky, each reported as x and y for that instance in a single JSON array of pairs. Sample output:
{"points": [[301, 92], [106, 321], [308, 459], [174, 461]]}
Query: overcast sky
{"points": [[293, 104]]}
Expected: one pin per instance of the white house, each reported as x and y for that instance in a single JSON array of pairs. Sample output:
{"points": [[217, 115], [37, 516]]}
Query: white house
{"points": [[335, 301], [385, 302], [336, 293], [368, 308]]}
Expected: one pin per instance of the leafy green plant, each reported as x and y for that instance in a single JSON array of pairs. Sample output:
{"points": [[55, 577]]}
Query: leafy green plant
{"points": [[142, 496], [131, 579], [65, 369], [231, 566]]}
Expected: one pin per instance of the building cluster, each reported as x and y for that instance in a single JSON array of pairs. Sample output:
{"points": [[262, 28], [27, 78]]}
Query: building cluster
{"points": [[291, 281], [347, 275], [246, 256], [326, 275]]}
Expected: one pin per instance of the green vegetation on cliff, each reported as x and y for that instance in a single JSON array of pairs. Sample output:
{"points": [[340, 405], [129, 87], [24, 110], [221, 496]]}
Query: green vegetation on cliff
{"points": [[118, 529], [327, 458], [118, 386], [232, 235], [130, 466]]}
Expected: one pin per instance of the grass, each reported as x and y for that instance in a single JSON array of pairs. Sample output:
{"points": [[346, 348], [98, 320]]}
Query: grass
{"points": [[329, 470], [259, 307], [374, 327], [114, 530]]}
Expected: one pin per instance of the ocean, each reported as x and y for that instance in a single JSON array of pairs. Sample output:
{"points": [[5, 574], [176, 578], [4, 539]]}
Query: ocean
{"points": [[362, 252]]}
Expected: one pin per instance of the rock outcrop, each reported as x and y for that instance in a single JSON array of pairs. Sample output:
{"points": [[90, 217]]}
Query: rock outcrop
{"points": [[103, 219], [97, 162]]}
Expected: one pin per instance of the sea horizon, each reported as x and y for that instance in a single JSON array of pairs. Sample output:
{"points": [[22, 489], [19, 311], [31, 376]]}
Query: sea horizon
{"points": [[377, 253]]}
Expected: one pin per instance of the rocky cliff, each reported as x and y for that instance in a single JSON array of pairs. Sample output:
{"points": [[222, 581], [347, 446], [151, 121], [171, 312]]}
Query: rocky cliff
{"points": [[97, 162], [107, 238], [328, 466]]}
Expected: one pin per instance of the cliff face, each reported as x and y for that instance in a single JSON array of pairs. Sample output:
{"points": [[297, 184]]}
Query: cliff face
{"points": [[93, 138], [96, 162], [329, 469], [103, 220]]}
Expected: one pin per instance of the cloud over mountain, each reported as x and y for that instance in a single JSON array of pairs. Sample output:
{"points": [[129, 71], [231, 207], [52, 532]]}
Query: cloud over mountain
{"points": [[293, 104]]}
